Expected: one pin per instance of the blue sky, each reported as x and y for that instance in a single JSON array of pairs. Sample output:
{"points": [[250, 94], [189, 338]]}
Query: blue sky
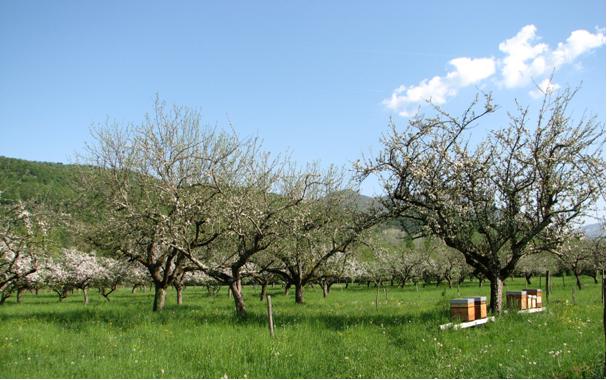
{"points": [[317, 78]]}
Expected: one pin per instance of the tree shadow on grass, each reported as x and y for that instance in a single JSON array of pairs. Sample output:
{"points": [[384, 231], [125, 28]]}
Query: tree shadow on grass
{"points": [[131, 316]]}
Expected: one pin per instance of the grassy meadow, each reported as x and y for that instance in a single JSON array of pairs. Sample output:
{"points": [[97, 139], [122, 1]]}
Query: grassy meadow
{"points": [[343, 336]]}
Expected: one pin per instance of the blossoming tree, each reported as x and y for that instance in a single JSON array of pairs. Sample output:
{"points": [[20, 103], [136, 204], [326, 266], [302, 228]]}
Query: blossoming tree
{"points": [[495, 200]]}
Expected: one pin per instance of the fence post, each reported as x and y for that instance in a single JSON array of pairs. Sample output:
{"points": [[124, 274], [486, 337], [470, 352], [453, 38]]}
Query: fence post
{"points": [[270, 319], [603, 289], [547, 286]]}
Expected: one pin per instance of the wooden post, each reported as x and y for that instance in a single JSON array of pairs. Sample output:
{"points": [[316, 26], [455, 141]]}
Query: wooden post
{"points": [[376, 297], [573, 295], [386, 293], [547, 286], [270, 319], [603, 301]]}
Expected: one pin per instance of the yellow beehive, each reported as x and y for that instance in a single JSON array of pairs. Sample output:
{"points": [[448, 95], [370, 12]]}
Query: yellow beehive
{"points": [[480, 307], [538, 294], [517, 300], [463, 309]]}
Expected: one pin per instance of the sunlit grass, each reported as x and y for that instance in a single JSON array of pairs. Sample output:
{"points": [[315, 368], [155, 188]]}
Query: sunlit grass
{"points": [[341, 336]]}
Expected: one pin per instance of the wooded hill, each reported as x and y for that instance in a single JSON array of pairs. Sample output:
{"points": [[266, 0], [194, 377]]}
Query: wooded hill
{"points": [[55, 187]]}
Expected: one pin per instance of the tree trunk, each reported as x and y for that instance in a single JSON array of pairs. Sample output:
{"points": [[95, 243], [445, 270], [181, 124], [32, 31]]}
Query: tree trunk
{"points": [[179, 290], [325, 290], [262, 293], [19, 294], [577, 281], [159, 298], [287, 287], [528, 278], [63, 294], [299, 295], [236, 288], [238, 300], [85, 293], [497, 286]]}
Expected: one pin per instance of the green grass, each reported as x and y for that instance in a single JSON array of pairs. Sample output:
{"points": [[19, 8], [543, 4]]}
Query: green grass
{"points": [[342, 336]]}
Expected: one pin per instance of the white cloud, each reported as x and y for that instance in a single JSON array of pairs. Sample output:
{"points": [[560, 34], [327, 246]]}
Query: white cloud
{"points": [[544, 87], [526, 59], [523, 58], [468, 71], [578, 43]]}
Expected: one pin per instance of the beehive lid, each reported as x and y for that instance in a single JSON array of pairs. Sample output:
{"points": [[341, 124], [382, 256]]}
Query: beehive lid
{"points": [[516, 293], [480, 299], [532, 290], [461, 301]]}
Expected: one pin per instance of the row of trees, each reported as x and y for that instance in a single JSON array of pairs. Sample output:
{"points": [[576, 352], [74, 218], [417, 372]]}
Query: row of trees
{"points": [[175, 198], [178, 199], [425, 262]]}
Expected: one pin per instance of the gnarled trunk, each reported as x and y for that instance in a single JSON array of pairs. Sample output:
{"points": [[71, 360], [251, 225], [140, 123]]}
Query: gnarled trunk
{"points": [[85, 294], [325, 290], [236, 290], [577, 281], [19, 294], [238, 300], [179, 290], [262, 293], [299, 296], [159, 297], [497, 286]]}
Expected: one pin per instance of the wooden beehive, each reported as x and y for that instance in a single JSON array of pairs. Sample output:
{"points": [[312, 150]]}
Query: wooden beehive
{"points": [[517, 300], [480, 307], [463, 309], [538, 294], [531, 301]]}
